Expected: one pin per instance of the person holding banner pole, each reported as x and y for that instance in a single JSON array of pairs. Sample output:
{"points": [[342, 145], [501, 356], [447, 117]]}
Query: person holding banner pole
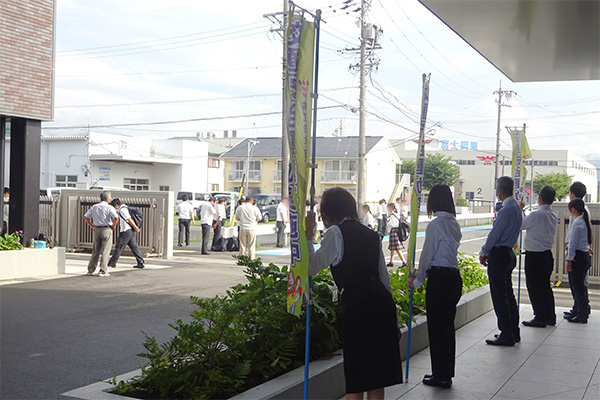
{"points": [[370, 333], [498, 256], [439, 264]]}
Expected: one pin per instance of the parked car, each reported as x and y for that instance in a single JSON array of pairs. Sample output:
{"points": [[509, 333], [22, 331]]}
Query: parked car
{"points": [[196, 198], [267, 204]]}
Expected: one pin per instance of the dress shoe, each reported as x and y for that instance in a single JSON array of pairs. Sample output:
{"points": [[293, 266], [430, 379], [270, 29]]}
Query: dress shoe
{"points": [[430, 380], [500, 342], [534, 323], [516, 338], [140, 266], [571, 315], [577, 320], [551, 323], [205, 254]]}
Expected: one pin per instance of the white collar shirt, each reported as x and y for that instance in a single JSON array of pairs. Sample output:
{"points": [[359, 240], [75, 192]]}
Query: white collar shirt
{"points": [[282, 213], [577, 238], [124, 216], [101, 214], [541, 228], [221, 211], [185, 210], [207, 214], [248, 216]]}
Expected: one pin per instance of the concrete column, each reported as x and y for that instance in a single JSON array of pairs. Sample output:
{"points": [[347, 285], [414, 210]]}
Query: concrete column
{"points": [[25, 141], [2, 163]]}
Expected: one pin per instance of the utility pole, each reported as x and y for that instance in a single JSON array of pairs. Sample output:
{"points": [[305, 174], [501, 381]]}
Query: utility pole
{"points": [[360, 192], [508, 94], [285, 143]]}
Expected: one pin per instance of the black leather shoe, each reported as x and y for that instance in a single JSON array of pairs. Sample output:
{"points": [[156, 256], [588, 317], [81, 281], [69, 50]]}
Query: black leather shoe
{"points": [[577, 320], [534, 323], [500, 342], [140, 266], [517, 338], [567, 316], [206, 254], [551, 323], [430, 380]]}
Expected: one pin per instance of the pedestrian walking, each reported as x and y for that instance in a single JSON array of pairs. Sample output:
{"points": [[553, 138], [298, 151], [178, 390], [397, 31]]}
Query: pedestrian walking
{"points": [[102, 217], [5, 208], [498, 256], [540, 226], [579, 236], [370, 325], [208, 221], [185, 211], [368, 218], [439, 264], [248, 216], [283, 217], [127, 235], [577, 191], [403, 209], [395, 245], [221, 217], [381, 217]]}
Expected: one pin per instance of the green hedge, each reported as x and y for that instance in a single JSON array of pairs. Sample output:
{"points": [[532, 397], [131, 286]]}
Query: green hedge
{"points": [[246, 337]]}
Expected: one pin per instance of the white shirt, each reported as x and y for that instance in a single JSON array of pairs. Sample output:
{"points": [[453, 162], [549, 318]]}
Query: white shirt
{"points": [[393, 220], [185, 210], [541, 229], [124, 216], [332, 252], [221, 212], [101, 214], [577, 238], [208, 214], [248, 216], [282, 209], [369, 220], [442, 238], [403, 211], [381, 211]]}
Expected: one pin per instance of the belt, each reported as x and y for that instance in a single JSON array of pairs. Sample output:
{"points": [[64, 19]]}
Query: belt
{"points": [[443, 268], [102, 226]]}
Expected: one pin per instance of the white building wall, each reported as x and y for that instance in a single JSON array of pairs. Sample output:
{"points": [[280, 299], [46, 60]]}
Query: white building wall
{"points": [[194, 171], [216, 176], [64, 157], [380, 176]]}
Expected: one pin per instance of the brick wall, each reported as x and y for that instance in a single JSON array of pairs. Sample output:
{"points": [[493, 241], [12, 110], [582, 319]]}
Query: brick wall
{"points": [[27, 58]]}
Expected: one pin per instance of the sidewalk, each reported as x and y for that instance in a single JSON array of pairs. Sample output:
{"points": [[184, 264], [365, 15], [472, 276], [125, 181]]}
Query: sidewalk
{"points": [[559, 362]]}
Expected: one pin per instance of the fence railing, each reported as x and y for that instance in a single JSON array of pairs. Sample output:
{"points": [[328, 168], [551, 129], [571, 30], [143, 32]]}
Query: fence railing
{"points": [[237, 175], [49, 217], [338, 177]]}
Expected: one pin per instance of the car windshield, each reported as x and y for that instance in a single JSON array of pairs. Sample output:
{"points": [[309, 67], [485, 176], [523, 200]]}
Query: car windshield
{"points": [[262, 200], [180, 195], [202, 196]]}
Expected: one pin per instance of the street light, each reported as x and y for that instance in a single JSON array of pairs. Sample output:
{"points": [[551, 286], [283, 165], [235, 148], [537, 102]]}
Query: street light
{"points": [[251, 144]]}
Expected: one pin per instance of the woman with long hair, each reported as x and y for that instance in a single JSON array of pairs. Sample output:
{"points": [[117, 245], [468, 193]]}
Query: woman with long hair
{"points": [[579, 239], [439, 264], [395, 245], [370, 333]]}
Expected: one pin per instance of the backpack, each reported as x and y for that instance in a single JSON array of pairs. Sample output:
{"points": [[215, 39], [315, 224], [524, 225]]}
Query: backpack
{"points": [[136, 216], [403, 230]]}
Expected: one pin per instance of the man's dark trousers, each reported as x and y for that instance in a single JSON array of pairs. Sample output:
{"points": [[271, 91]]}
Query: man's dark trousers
{"points": [[581, 265], [216, 236], [538, 268], [280, 234], [501, 262], [184, 225], [127, 238], [205, 235], [381, 225]]}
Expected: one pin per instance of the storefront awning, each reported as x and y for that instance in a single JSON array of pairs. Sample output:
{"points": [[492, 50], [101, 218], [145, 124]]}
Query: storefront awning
{"points": [[529, 40]]}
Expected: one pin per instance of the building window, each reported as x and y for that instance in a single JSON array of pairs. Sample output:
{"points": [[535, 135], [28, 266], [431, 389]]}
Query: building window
{"points": [[163, 188], [136, 184], [337, 171], [469, 195], [214, 187], [66, 181], [214, 163], [239, 170]]}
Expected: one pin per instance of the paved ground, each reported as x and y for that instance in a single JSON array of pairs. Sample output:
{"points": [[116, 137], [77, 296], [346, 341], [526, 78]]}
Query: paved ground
{"points": [[60, 334]]}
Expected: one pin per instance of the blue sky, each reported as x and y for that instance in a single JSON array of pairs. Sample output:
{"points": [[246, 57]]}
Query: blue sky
{"points": [[201, 60]]}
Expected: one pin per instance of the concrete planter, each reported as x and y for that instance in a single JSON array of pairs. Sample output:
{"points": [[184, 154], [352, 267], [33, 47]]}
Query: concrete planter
{"points": [[327, 375], [27, 263]]}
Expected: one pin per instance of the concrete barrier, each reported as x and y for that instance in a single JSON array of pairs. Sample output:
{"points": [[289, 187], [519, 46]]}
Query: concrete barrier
{"points": [[28, 263], [326, 376]]}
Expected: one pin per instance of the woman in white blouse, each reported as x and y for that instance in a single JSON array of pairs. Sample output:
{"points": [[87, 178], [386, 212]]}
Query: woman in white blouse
{"points": [[439, 264], [368, 219], [370, 331]]}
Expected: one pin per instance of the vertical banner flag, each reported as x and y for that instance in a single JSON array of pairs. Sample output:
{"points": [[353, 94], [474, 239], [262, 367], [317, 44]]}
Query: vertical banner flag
{"points": [[521, 152], [298, 90], [415, 200]]}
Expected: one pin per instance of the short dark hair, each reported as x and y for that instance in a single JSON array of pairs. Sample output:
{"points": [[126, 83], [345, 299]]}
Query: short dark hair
{"points": [[184, 197], [440, 199], [222, 200], [547, 194], [337, 204], [248, 199], [6, 190], [115, 202], [212, 198], [578, 189], [382, 201], [398, 199], [506, 185]]}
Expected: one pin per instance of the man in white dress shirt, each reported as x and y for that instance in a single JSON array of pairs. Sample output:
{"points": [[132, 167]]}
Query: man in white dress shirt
{"points": [[282, 220], [539, 262], [185, 211], [221, 217], [208, 217], [248, 216], [102, 217]]}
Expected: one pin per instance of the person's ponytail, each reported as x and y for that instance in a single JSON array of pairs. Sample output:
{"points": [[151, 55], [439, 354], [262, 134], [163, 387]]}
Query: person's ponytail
{"points": [[586, 218]]}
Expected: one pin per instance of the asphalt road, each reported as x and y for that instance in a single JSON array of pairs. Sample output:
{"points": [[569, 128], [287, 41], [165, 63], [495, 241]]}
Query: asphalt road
{"points": [[60, 334]]}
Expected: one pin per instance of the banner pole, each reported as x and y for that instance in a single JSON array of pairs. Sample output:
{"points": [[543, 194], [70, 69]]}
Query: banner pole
{"points": [[519, 283], [312, 195]]}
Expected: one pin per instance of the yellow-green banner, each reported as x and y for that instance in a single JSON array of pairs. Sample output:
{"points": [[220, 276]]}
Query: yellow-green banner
{"points": [[299, 87], [520, 153], [415, 198]]}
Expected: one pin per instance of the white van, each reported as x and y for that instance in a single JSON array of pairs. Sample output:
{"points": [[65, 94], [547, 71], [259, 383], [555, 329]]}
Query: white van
{"points": [[196, 198]]}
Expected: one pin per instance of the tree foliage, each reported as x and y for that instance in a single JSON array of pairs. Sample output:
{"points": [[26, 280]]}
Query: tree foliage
{"points": [[438, 169], [560, 181]]}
